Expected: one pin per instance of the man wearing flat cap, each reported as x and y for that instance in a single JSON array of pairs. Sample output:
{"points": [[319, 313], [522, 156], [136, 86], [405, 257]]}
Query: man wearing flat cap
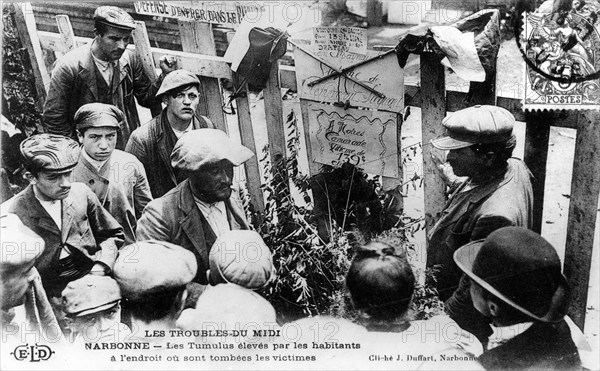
{"points": [[153, 143], [496, 192], [116, 177], [25, 306], [203, 207], [92, 305], [80, 236], [153, 276], [516, 282], [103, 71]]}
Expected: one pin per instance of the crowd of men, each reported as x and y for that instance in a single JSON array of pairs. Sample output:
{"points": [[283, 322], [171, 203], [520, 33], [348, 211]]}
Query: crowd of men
{"points": [[133, 227]]}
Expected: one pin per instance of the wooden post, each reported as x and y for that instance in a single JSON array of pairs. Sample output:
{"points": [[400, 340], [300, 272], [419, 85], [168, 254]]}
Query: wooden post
{"points": [[433, 111], [27, 32], [66, 32], [374, 13], [537, 135], [197, 37], [313, 167], [276, 129], [253, 178], [585, 188], [143, 50]]}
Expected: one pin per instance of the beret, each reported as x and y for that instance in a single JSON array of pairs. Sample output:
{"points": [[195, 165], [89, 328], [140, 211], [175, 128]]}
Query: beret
{"points": [[231, 306], [114, 16], [241, 257], [98, 115], [90, 294], [148, 267], [473, 125], [20, 245], [176, 79], [521, 268], [50, 152], [201, 147]]}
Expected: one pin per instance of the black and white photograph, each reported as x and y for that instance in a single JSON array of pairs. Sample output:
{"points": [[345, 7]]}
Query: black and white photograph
{"points": [[300, 185]]}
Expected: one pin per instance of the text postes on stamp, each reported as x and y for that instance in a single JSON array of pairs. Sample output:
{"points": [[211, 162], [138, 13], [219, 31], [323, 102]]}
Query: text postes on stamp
{"points": [[562, 55]]}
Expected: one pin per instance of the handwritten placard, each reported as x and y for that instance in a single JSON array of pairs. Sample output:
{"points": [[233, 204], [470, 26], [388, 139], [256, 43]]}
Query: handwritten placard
{"points": [[343, 39], [224, 12], [384, 75], [364, 138]]}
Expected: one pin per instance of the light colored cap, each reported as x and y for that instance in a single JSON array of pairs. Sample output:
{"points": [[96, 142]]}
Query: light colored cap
{"points": [[115, 17], [241, 257], [176, 79], [148, 267], [228, 305], [20, 245], [473, 125], [90, 294], [98, 115], [201, 147], [50, 152]]}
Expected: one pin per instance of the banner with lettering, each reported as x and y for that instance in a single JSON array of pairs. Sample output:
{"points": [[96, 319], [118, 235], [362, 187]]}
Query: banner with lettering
{"points": [[228, 13], [365, 138]]}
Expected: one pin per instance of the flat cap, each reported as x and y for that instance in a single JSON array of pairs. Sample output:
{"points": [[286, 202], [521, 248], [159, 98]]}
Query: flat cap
{"points": [[115, 17], [149, 267], [473, 125], [98, 115], [50, 152], [20, 245], [201, 147], [90, 294], [176, 79], [241, 257], [521, 268]]}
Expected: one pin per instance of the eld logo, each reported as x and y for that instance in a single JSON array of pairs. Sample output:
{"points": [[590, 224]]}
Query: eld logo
{"points": [[33, 353]]}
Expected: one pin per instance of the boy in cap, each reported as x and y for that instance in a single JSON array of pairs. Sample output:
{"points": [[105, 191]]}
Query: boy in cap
{"points": [[204, 206], [518, 285], [80, 236], [153, 143], [496, 193], [93, 310], [103, 71], [153, 276], [240, 263], [116, 177], [25, 306]]}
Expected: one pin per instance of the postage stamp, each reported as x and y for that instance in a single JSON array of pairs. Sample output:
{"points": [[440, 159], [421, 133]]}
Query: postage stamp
{"points": [[562, 61]]}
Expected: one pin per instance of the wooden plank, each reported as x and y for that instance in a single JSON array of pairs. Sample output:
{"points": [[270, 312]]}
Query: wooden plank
{"points": [[393, 183], [276, 128], [537, 135], [27, 32], [374, 13], [253, 178], [585, 188], [197, 37], [313, 167], [143, 50], [433, 111], [66, 32]]}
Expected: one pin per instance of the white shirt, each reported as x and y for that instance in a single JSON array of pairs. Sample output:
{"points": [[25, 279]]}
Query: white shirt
{"points": [[106, 68], [216, 215], [95, 163], [179, 133], [501, 335], [54, 208]]}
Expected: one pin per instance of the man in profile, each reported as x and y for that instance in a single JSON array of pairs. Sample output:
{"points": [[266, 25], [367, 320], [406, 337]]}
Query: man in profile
{"points": [[103, 71]]}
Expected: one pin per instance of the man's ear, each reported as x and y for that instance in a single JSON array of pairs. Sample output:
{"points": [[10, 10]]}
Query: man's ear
{"points": [[182, 296], [494, 308], [30, 177], [165, 99], [80, 136]]}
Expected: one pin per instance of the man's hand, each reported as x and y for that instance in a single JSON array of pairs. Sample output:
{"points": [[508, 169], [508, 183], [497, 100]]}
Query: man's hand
{"points": [[445, 170], [167, 63]]}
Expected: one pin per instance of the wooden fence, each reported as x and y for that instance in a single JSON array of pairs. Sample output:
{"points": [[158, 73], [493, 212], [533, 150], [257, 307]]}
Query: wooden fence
{"points": [[431, 96]]}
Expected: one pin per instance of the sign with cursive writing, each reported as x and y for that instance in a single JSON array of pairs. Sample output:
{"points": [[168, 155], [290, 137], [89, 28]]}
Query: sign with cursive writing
{"points": [[382, 75], [364, 138]]}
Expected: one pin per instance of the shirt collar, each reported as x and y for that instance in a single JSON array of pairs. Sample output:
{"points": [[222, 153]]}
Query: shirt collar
{"points": [[95, 163], [205, 207]]}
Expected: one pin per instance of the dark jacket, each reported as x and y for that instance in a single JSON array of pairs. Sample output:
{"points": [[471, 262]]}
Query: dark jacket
{"points": [[152, 144], [77, 81], [86, 227], [542, 347], [176, 218], [121, 187]]}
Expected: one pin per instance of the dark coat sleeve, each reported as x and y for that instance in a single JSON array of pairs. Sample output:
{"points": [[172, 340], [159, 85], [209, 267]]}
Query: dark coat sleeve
{"points": [[107, 231], [56, 107]]}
